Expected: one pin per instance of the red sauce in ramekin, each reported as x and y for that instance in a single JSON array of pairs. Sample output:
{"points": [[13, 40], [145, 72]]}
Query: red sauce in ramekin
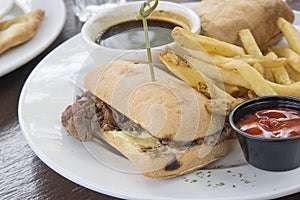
{"points": [[272, 123]]}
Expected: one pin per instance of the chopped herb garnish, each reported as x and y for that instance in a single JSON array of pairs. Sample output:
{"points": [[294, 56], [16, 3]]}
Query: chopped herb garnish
{"points": [[220, 184], [200, 172], [206, 174]]}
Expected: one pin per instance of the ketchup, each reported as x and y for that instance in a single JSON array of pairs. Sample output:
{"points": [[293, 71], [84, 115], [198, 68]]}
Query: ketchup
{"points": [[272, 123]]}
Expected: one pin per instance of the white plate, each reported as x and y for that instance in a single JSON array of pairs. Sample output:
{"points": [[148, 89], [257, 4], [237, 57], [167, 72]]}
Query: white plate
{"points": [[50, 88], [52, 24], [5, 7]]}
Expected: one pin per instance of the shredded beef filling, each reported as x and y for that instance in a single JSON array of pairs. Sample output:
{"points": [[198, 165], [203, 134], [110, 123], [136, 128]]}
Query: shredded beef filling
{"points": [[89, 115]]}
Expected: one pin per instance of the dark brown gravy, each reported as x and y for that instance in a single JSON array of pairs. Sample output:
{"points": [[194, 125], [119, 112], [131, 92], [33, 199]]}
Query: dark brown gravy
{"points": [[130, 35]]}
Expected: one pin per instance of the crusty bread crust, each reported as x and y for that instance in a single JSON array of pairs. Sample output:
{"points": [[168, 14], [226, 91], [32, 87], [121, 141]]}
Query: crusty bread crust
{"points": [[168, 108], [222, 19], [160, 163], [19, 30]]}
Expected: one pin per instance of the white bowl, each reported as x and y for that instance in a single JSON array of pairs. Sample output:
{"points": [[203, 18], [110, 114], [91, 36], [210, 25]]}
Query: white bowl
{"points": [[173, 13]]}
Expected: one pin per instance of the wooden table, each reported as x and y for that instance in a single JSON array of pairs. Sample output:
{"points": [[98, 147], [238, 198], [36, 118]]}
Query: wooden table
{"points": [[22, 174]]}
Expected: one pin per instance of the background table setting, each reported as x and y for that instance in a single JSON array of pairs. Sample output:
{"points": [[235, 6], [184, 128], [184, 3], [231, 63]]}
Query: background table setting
{"points": [[25, 173]]}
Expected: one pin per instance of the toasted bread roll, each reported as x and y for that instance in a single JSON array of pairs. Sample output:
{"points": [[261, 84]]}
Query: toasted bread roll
{"points": [[168, 108], [162, 127], [166, 161], [223, 19]]}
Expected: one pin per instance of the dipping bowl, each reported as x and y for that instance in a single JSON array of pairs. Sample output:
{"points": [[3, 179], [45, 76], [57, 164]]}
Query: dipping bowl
{"points": [[166, 11], [271, 154]]}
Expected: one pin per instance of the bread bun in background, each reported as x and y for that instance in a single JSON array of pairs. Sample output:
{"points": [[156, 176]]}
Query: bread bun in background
{"points": [[223, 19]]}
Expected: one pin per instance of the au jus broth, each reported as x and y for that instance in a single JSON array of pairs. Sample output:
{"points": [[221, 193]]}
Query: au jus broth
{"points": [[130, 35]]}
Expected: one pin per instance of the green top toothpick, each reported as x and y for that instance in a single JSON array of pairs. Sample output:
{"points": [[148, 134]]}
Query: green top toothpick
{"points": [[143, 14]]}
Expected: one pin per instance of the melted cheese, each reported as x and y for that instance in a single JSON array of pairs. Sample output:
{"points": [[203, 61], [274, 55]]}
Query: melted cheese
{"points": [[144, 140]]}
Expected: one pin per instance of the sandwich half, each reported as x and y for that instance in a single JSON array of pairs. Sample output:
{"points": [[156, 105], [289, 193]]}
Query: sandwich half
{"points": [[162, 127]]}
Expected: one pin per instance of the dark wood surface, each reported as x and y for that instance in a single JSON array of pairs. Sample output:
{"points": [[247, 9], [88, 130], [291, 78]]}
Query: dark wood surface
{"points": [[22, 174]]}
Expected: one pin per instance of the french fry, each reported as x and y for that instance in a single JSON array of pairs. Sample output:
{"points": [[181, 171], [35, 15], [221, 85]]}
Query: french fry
{"points": [[294, 75], [231, 77], [291, 34], [293, 58], [249, 42], [180, 68], [259, 68], [295, 63], [211, 45], [268, 75], [209, 89], [228, 76], [271, 54], [191, 76], [250, 59], [286, 90], [280, 74], [221, 61], [222, 106], [258, 84], [191, 46], [264, 61]]}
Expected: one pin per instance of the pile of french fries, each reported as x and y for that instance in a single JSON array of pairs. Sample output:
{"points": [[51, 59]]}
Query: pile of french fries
{"points": [[228, 74]]}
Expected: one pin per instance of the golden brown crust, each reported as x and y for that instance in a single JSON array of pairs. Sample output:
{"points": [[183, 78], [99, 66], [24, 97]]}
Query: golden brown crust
{"points": [[190, 161], [126, 86], [222, 19], [167, 108], [19, 30], [166, 163]]}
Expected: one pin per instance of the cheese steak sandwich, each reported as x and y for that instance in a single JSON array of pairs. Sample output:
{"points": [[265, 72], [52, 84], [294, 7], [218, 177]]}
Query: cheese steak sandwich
{"points": [[223, 19], [162, 127]]}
